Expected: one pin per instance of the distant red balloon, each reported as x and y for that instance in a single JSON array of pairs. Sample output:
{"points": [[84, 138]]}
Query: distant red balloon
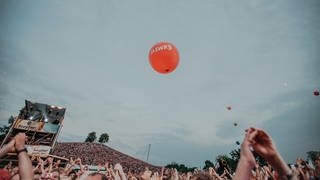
{"points": [[316, 93], [229, 108], [164, 57]]}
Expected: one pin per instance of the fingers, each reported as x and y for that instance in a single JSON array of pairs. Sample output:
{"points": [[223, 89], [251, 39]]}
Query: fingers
{"points": [[263, 134], [255, 134], [249, 140], [12, 142], [250, 129], [20, 140], [20, 137], [252, 135]]}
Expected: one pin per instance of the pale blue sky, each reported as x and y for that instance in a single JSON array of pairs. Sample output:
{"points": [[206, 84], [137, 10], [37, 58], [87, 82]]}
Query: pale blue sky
{"points": [[92, 58]]}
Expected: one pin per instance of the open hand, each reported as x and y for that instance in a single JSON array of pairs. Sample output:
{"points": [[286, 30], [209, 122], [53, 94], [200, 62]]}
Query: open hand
{"points": [[262, 143]]}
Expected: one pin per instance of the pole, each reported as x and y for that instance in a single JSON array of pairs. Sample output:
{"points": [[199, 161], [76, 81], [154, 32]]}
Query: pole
{"points": [[148, 152]]}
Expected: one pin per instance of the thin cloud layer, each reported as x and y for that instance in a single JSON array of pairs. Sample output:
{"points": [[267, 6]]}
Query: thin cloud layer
{"points": [[92, 58]]}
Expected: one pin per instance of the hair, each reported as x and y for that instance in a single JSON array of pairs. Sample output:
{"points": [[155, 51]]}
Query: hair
{"points": [[103, 177], [201, 176]]}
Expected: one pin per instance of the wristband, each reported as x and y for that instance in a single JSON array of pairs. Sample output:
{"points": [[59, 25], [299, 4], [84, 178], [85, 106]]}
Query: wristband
{"points": [[22, 150]]}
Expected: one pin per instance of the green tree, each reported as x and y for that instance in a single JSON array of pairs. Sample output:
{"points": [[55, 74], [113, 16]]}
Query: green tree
{"points": [[311, 155], [5, 128], [208, 164], [230, 163], [235, 156], [91, 137], [259, 159], [104, 138], [180, 167]]}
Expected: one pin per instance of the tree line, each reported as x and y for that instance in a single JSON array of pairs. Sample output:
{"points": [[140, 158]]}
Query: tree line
{"points": [[231, 161], [92, 137]]}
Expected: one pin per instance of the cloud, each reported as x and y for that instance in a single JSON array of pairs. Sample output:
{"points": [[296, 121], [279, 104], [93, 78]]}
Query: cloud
{"points": [[96, 65], [296, 131]]}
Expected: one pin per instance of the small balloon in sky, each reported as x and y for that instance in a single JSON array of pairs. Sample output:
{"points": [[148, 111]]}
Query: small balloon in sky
{"points": [[237, 142], [229, 108], [164, 57], [316, 92], [235, 124]]}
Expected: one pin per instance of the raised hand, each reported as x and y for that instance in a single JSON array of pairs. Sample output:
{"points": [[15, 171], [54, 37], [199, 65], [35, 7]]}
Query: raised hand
{"points": [[20, 140], [245, 152], [50, 160], [11, 145], [71, 161], [264, 146], [146, 175], [189, 175], [175, 174], [262, 143], [33, 157], [99, 167], [78, 161], [40, 161], [247, 160]]}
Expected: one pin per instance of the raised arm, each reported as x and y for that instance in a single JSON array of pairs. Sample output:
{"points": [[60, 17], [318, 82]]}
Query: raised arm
{"points": [[264, 146], [24, 164], [247, 161], [7, 148]]}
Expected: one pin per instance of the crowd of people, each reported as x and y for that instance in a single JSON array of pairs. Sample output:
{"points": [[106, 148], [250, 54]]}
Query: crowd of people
{"points": [[94, 154], [255, 140]]}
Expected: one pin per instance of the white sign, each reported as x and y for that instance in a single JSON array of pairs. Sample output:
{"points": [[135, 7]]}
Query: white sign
{"points": [[42, 151]]}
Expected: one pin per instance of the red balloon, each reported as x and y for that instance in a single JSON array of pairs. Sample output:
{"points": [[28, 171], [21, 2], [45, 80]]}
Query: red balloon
{"points": [[316, 93], [229, 108], [164, 57]]}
